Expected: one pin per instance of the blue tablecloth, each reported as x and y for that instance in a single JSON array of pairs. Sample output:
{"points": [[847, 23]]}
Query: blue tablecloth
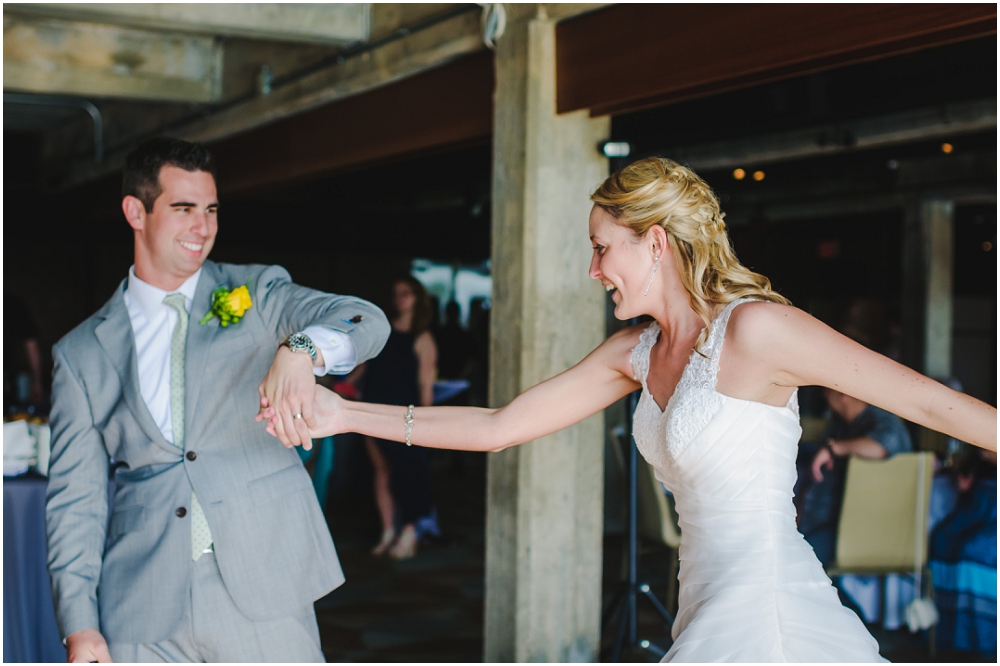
{"points": [[30, 633]]}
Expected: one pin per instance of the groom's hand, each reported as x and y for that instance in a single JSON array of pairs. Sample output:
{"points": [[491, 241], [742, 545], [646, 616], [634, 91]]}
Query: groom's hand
{"points": [[85, 646], [288, 388]]}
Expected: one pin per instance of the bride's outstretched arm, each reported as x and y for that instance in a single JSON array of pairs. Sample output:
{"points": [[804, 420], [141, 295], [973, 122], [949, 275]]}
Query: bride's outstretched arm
{"points": [[802, 351], [597, 381]]}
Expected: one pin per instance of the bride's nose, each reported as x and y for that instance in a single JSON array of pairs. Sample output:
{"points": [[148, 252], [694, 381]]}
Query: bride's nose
{"points": [[595, 266]]}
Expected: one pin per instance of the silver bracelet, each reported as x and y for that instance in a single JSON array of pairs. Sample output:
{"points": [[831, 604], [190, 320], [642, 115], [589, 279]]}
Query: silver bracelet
{"points": [[408, 424]]}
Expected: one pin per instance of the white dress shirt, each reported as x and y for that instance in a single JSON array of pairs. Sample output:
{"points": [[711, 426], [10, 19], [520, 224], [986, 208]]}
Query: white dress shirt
{"points": [[153, 325]]}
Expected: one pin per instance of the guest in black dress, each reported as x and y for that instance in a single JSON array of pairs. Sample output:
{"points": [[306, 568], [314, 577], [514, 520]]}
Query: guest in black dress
{"points": [[403, 374]]}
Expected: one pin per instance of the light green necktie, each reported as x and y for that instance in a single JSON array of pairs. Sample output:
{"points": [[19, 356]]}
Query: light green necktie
{"points": [[201, 536]]}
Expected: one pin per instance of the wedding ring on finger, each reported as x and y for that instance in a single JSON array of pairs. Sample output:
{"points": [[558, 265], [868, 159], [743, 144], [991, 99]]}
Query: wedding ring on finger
{"points": [[297, 416]]}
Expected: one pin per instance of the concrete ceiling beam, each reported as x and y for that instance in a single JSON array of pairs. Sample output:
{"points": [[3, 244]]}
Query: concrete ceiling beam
{"points": [[316, 23], [94, 60]]}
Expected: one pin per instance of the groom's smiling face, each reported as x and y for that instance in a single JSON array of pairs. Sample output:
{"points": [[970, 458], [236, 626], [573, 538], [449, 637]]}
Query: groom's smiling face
{"points": [[174, 238]]}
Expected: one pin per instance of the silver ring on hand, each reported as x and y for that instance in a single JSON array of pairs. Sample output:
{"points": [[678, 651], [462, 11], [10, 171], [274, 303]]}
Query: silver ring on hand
{"points": [[297, 416]]}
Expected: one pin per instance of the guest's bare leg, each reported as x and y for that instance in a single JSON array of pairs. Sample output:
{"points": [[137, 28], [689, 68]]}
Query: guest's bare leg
{"points": [[383, 496], [406, 545]]}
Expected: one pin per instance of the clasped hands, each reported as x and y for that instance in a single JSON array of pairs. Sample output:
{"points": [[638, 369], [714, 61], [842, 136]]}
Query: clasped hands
{"points": [[291, 403]]}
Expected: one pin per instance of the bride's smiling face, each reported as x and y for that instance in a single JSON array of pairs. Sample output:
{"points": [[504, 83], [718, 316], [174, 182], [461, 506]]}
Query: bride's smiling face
{"points": [[622, 262]]}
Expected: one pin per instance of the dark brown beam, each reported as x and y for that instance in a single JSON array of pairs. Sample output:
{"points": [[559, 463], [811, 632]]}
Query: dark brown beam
{"points": [[449, 106], [628, 57]]}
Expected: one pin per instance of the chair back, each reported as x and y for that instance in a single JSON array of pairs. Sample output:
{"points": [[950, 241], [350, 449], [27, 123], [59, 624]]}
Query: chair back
{"points": [[812, 427], [883, 520]]}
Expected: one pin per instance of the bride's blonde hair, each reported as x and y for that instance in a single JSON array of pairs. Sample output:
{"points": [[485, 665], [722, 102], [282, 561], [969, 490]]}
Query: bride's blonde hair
{"points": [[659, 191]]}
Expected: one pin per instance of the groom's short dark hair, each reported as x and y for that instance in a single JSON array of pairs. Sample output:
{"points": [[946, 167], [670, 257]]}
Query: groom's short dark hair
{"points": [[141, 177]]}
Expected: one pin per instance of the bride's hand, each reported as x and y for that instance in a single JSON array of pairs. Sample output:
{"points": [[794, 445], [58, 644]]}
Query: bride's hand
{"points": [[328, 413]]}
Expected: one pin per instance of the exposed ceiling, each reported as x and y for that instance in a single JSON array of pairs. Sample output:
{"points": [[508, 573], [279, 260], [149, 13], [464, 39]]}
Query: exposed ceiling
{"points": [[132, 70]]}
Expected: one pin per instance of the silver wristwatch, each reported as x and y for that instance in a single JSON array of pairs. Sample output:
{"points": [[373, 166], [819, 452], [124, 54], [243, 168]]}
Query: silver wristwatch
{"points": [[300, 342]]}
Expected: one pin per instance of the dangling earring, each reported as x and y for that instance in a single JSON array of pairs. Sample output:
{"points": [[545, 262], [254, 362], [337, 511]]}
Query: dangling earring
{"points": [[656, 264]]}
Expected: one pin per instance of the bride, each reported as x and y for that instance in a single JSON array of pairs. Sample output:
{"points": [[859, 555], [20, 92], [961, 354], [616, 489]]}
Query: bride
{"points": [[718, 418]]}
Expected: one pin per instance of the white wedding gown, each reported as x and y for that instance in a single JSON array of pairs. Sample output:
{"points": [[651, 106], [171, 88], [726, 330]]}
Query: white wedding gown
{"points": [[751, 588]]}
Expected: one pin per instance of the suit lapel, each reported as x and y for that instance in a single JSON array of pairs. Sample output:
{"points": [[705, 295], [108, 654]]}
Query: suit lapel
{"points": [[116, 337], [199, 338]]}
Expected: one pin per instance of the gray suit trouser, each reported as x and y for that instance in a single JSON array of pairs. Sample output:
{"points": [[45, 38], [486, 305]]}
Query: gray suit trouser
{"points": [[214, 630]]}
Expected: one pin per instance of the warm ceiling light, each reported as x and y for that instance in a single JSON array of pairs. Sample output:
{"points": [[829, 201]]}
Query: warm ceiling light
{"points": [[739, 174], [947, 148], [987, 246], [758, 175]]}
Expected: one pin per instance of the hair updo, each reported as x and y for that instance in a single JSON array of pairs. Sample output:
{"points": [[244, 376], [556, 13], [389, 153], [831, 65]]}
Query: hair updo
{"points": [[659, 191]]}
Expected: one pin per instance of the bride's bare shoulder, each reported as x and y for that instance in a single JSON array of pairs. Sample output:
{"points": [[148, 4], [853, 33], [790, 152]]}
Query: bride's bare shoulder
{"points": [[764, 324], [617, 349]]}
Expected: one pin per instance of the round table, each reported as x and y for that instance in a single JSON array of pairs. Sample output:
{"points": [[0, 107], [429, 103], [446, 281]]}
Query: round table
{"points": [[30, 633]]}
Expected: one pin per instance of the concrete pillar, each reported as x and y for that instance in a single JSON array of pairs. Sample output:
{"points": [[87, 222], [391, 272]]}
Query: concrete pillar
{"points": [[937, 219], [928, 233], [544, 498]]}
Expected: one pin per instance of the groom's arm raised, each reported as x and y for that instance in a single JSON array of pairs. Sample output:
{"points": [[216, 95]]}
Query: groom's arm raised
{"points": [[76, 514], [346, 331]]}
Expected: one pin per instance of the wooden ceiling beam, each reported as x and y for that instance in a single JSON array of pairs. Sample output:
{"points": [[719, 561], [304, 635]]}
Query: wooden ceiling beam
{"points": [[94, 60], [389, 63], [448, 106], [316, 23], [627, 57]]}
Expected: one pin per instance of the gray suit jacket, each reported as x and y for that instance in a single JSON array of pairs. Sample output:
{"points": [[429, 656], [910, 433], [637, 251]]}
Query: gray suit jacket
{"points": [[130, 576]]}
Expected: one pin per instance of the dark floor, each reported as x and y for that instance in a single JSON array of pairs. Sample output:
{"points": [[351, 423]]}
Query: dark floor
{"points": [[430, 608], [427, 609]]}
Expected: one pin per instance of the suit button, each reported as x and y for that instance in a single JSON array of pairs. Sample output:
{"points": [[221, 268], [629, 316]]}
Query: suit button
{"points": [[181, 512], [191, 455]]}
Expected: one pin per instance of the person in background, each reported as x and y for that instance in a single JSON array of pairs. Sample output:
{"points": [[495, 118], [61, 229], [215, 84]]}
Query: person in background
{"points": [[455, 345], [479, 365], [856, 429], [403, 374], [22, 357], [963, 558]]}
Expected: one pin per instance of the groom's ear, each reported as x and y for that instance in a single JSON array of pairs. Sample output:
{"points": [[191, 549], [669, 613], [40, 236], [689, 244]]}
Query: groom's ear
{"points": [[135, 212]]}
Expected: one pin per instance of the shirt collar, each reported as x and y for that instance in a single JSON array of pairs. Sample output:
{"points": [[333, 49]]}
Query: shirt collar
{"points": [[150, 298]]}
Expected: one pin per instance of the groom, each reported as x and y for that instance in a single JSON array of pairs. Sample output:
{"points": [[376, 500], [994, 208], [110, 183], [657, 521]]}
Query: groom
{"points": [[216, 547]]}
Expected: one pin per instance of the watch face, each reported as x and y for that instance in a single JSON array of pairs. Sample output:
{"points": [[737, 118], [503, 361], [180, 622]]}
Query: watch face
{"points": [[301, 342]]}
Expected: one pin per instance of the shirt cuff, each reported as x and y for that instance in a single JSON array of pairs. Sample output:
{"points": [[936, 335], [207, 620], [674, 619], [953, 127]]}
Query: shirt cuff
{"points": [[338, 350]]}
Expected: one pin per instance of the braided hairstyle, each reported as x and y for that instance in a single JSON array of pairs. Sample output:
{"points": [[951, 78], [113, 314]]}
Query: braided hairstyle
{"points": [[656, 190]]}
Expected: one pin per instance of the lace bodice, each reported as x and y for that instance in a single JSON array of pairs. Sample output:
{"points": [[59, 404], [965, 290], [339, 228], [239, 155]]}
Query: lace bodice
{"points": [[663, 436]]}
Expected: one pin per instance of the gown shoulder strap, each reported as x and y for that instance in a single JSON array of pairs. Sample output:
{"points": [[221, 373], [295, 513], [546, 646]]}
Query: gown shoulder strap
{"points": [[712, 349], [640, 353]]}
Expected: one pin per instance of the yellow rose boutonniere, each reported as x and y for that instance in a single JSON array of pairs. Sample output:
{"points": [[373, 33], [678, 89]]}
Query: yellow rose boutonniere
{"points": [[228, 305]]}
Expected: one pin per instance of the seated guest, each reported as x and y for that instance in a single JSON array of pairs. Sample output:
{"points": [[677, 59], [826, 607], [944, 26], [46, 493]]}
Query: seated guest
{"points": [[963, 560], [856, 429]]}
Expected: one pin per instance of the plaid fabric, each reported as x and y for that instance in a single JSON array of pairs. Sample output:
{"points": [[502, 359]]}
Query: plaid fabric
{"points": [[964, 565]]}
